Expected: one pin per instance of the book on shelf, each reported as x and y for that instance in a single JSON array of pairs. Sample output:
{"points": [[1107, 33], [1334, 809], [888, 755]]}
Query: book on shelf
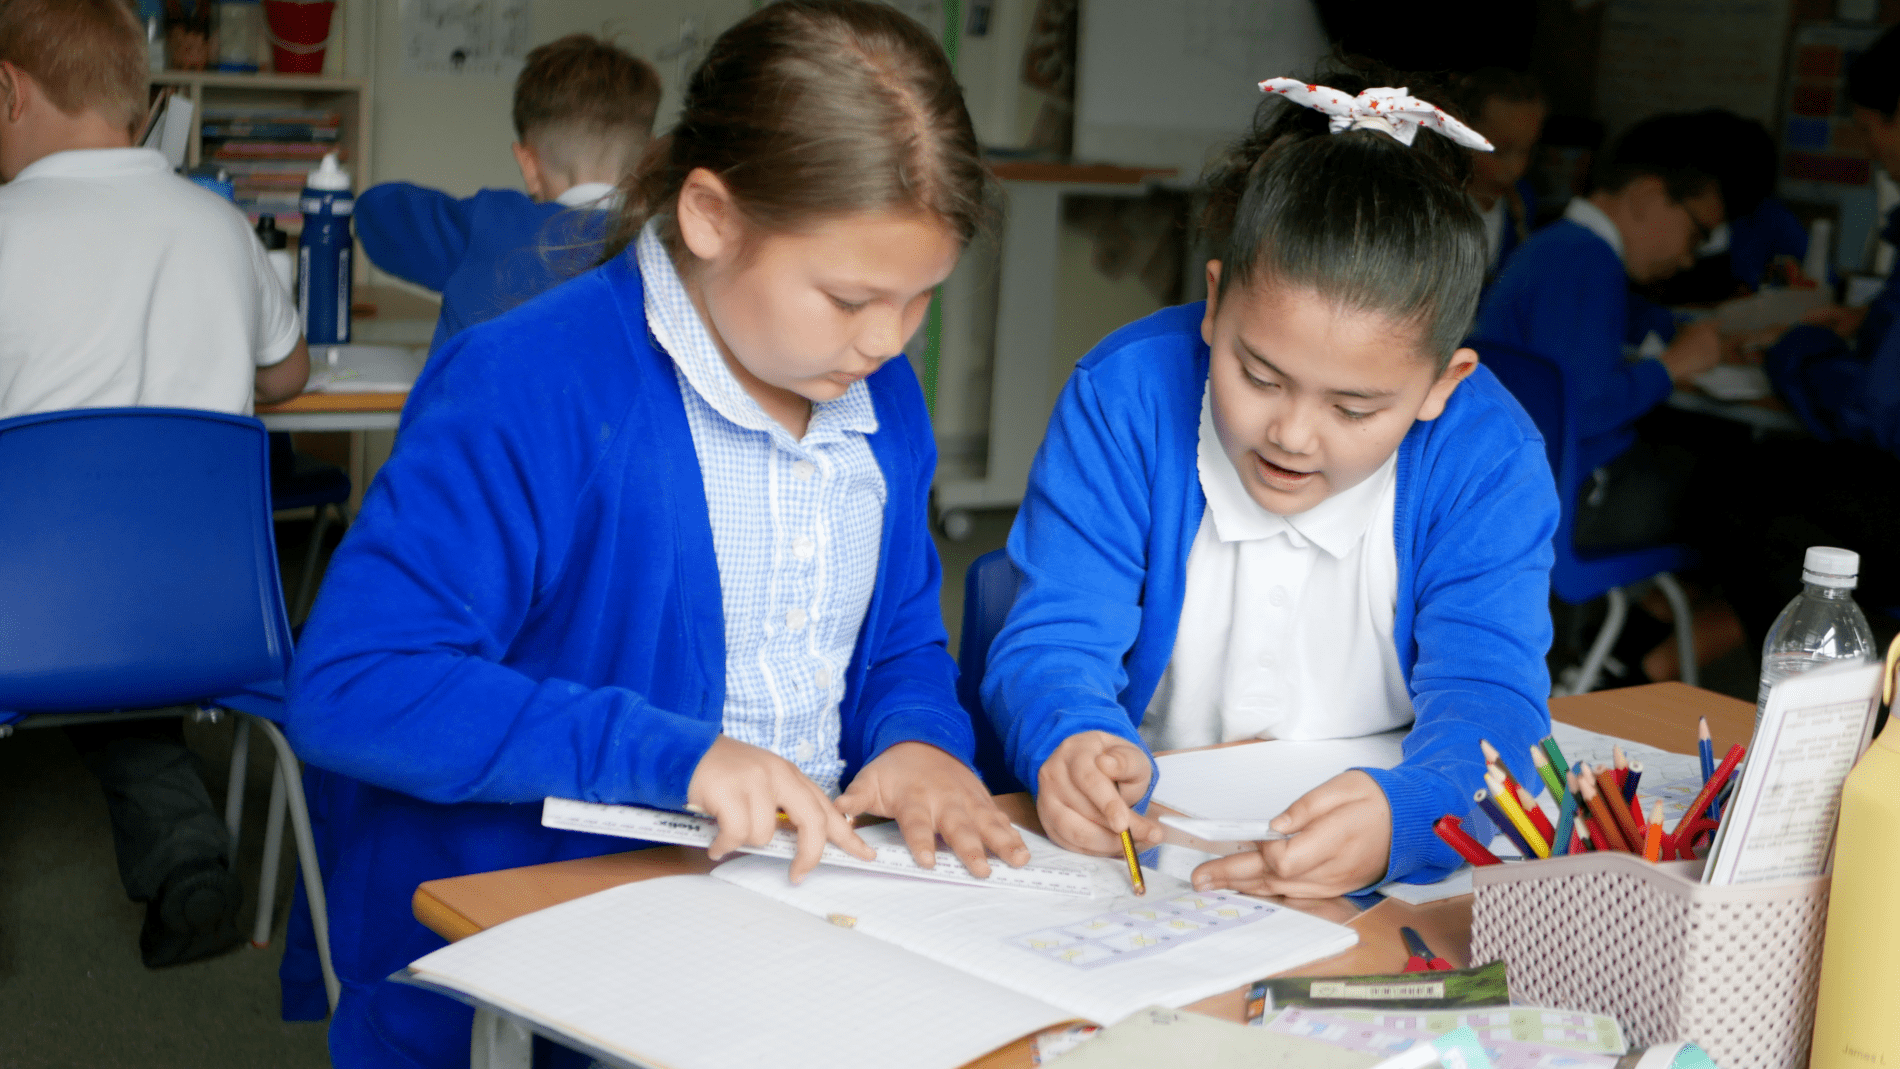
{"points": [[268, 150], [276, 131]]}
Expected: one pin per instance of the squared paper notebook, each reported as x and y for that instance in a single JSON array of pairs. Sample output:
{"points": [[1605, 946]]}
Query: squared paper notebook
{"points": [[925, 975]]}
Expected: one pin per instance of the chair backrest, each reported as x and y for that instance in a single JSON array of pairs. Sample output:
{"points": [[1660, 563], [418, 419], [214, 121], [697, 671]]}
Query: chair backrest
{"points": [[989, 589], [1542, 386], [138, 566]]}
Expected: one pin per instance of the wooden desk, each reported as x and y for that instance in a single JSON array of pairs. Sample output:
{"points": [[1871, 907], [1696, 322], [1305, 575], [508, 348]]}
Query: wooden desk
{"points": [[1662, 715]]}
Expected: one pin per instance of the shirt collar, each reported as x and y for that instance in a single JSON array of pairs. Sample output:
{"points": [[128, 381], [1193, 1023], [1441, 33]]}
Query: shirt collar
{"points": [[1592, 218], [676, 325], [1334, 525], [590, 195], [96, 163]]}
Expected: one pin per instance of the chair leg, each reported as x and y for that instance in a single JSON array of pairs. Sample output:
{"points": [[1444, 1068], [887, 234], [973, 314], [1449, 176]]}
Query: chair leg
{"points": [[291, 771], [1685, 626], [301, 607], [1606, 639], [273, 857], [234, 790]]}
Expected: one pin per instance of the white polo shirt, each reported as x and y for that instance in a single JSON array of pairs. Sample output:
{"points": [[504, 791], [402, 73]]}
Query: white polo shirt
{"points": [[124, 284], [1286, 624]]}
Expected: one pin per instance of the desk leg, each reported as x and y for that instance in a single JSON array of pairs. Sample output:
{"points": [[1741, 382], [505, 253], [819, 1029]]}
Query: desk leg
{"points": [[499, 1043]]}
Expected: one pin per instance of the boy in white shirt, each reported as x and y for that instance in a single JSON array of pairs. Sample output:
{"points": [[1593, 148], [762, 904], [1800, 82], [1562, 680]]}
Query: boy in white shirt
{"points": [[123, 284]]}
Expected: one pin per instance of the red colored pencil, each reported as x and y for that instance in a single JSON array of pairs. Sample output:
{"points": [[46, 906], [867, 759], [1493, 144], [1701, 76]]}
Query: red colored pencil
{"points": [[1538, 819], [1449, 829], [1709, 790]]}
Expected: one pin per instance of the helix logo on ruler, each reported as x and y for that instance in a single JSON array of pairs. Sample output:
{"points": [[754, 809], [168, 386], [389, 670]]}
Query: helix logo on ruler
{"points": [[1141, 930]]}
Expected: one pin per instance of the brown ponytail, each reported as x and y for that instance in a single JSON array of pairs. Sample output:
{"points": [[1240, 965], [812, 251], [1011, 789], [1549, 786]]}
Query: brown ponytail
{"points": [[810, 109]]}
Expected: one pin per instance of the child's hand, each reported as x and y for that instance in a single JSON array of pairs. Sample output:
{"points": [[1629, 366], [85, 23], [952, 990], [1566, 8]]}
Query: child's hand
{"points": [[1843, 321], [744, 787], [929, 793], [1697, 348], [1085, 791], [1343, 842]]}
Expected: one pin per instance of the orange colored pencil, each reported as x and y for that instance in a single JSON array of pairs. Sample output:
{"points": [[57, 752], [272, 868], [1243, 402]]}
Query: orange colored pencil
{"points": [[1613, 797], [1604, 826], [1652, 847]]}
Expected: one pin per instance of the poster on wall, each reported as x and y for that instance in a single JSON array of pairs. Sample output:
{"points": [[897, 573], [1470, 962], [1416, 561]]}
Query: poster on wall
{"points": [[468, 38], [1684, 55]]}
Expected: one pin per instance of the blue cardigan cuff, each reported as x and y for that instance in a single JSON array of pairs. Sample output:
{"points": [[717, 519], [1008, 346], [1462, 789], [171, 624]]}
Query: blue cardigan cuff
{"points": [[923, 724], [1417, 799]]}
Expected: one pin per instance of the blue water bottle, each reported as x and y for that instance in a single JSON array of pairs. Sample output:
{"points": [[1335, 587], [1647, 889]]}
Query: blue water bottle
{"points": [[323, 257]]}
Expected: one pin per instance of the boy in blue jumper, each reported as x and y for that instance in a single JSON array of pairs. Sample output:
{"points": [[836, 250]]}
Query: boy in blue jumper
{"points": [[583, 113], [1565, 294], [1300, 511], [1840, 373]]}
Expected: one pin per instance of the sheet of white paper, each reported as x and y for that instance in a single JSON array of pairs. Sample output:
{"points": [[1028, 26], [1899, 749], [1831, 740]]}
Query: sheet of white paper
{"points": [[1780, 823], [661, 971], [1675, 778], [972, 929], [363, 368], [1734, 382], [1458, 883], [1259, 780]]}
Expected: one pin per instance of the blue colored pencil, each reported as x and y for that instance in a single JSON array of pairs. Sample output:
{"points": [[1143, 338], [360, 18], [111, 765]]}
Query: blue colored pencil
{"points": [[1490, 807], [1705, 749], [1566, 816], [1634, 776]]}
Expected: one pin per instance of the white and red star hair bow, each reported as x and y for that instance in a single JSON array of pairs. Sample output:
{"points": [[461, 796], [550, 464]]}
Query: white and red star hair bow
{"points": [[1394, 111]]}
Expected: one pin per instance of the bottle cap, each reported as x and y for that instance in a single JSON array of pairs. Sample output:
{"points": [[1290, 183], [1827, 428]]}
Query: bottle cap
{"points": [[328, 175], [1828, 566], [268, 233]]}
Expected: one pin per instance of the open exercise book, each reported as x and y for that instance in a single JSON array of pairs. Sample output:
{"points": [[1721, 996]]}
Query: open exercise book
{"points": [[859, 969]]}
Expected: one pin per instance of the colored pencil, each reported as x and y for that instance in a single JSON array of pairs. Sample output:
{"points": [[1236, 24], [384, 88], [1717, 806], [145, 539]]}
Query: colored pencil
{"points": [[1609, 836], [1505, 827], [1619, 809], [1652, 844], [1705, 749], [1584, 839], [1709, 790], [1134, 863], [1556, 753], [1548, 774], [1449, 828], [1621, 763], [1629, 782], [1514, 812], [1538, 819], [1566, 818], [1636, 815], [1494, 761]]}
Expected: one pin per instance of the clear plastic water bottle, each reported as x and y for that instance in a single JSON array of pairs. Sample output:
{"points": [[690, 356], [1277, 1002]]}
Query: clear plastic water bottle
{"points": [[1821, 626]]}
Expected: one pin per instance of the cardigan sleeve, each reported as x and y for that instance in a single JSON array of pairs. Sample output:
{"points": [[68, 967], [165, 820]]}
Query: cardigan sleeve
{"points": [[1481, 628], [910, 681], [400, 680], [1056, 668], [416, 234]]}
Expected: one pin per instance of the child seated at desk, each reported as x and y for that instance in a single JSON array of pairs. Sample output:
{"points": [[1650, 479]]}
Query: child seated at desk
{"points": [[583, 113], [122, 284], [1565, 295], [660, 535], [1508, 109], [1298, 511]]}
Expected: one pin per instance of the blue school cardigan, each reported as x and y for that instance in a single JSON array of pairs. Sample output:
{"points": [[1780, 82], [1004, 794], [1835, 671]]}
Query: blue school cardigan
{"points": [[529, 605], [1112, 509], [1842, 390], [1565, 295], [484, 254]]}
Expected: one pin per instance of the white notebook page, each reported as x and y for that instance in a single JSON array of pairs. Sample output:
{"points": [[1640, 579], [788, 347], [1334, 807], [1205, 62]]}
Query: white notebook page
{"points": [[1259, 780], [687, 972], [970, 929]]}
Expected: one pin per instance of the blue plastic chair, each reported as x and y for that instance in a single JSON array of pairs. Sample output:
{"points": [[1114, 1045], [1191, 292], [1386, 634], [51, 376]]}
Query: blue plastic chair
{"points": [[989, 589], [1544, 388], [138, 574], [297, 482]]}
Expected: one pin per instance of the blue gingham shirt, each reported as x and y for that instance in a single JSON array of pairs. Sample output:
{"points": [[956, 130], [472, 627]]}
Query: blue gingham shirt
{"points": [[796, 527]]}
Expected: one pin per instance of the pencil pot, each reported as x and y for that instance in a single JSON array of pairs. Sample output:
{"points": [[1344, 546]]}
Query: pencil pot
{"points": [[1733, 968]]}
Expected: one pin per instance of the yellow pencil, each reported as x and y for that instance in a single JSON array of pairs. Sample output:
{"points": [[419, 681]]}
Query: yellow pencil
{"points": [[1515, 812], [1134, 863]]}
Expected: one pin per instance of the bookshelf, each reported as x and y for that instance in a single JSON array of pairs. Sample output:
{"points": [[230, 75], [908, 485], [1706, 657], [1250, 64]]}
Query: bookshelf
{"points": [[348, 97]]}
